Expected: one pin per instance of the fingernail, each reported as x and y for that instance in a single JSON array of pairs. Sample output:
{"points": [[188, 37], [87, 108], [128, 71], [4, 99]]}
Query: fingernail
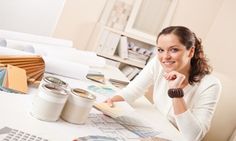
{"points": [[110, 104]]}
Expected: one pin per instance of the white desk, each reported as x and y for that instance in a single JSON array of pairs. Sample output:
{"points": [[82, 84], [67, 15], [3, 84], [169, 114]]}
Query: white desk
{"points": [[15, 113]]}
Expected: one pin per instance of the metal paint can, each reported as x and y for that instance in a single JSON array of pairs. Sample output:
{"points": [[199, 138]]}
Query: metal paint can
{"points": [[54, 80], [78, 106], [49, 102]]}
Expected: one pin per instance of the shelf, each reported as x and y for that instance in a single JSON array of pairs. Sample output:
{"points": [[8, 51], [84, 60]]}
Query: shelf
{"points": [[117, 58], [131, 19], [151, 42]]}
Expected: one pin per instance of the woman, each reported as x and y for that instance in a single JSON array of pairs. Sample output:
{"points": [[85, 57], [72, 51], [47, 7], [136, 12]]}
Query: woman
{"points": [[184, 90]]}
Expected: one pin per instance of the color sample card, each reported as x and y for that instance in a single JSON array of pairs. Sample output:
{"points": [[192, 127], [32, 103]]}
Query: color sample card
{"points": [[33, 65], [13, 79], [2, 75], [101, 89]]}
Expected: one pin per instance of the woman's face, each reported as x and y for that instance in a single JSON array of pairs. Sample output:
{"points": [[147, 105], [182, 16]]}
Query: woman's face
{"points": [[173, 55]]}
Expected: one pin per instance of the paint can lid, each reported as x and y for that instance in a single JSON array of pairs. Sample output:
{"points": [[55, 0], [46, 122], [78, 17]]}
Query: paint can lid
{"points": [[55, 80], [83, 93], [55, 89]]}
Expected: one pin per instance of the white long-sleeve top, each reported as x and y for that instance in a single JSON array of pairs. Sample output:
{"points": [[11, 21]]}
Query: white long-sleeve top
{"points": [[201, 100]]}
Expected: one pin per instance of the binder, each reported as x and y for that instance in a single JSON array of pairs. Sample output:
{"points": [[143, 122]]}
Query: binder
{"points": [[111, 43], [102, 41], [123, 47]]}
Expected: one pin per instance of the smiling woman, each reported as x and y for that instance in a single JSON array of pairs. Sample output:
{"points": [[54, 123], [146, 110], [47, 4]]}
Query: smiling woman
{"points": [[184, 90], [185, 50]]}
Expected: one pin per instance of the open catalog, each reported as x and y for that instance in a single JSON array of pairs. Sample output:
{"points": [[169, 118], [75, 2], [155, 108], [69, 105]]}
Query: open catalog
{"points": [[126, 116]]}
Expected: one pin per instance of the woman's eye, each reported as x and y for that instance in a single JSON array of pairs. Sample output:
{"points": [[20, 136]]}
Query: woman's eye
{"points": [[174, 50], [159, 50]]}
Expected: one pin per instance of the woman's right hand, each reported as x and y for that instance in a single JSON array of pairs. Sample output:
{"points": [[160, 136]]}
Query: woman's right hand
{"points": [[115, 98], [109, 102]]}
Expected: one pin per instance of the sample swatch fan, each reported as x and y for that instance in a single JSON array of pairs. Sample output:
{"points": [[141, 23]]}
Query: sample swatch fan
{"points": [[33, 65]]}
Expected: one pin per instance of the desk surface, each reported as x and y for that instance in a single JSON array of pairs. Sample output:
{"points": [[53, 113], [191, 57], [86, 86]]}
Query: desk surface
{"points": [[15, 113]]}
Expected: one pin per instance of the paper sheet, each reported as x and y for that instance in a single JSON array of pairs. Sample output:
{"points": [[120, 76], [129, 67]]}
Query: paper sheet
{"points": [[109, 127]]}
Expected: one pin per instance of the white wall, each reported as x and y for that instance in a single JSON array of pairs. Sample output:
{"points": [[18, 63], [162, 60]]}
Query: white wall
{"points": [[221, 39], [30, 16], [198, 15], [78, 20], [220, 46]]}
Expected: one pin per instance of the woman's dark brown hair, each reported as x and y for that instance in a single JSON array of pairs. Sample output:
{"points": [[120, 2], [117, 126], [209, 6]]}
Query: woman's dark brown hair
{"points": [[199, 64]]}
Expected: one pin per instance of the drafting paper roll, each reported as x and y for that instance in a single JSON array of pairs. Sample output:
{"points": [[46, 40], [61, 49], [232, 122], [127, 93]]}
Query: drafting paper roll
{"points": [[9, 51], [65, 68], [70, 54]]}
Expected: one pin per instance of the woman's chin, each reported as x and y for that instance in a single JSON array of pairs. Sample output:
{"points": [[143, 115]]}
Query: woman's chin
{"points": [[167, 70]]}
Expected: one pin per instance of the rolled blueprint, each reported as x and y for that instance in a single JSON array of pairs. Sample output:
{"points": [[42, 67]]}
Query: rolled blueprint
{"points": [[71, 54], [55, 65], [66, 68], [9, 51]]}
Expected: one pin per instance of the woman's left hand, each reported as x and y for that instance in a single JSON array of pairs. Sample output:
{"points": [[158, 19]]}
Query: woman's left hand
{"points": [[175, 79]]}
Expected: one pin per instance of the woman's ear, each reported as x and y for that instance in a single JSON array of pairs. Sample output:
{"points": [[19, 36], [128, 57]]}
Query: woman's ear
{"points": [[191, 52]]}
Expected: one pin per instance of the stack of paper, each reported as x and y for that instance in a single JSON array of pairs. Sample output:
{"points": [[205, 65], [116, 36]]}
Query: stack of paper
{"points": [[33, 65]]}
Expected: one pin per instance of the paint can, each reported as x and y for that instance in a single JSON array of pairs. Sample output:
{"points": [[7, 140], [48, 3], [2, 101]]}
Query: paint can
{"points": [[54, 80], [49, 102], [78, 106]]}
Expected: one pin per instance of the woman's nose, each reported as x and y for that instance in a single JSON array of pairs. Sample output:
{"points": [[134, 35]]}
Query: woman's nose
{"points": [[166, 55]]}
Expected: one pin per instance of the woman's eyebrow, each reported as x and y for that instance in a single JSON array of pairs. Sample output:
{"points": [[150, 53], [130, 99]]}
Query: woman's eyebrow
{"points": [[173, 46]]}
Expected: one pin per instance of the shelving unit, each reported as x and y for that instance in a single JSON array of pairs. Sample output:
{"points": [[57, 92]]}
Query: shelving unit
{"points": [[142, 42], [130, 19]]}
